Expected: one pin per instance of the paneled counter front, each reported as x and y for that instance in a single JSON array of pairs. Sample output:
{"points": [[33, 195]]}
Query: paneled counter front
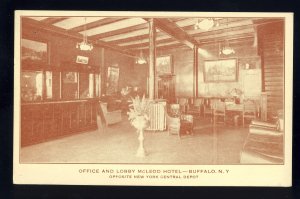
{"points": [[45, 121]]}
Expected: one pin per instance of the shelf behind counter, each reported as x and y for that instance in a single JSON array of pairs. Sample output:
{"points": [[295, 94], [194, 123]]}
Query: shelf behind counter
{"points": [[44, 121]]}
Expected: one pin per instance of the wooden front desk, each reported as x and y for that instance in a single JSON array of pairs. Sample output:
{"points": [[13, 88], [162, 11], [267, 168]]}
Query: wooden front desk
{"points": [[45, 121]]}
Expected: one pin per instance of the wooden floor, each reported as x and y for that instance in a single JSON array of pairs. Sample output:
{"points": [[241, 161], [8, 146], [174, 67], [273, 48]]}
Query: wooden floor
{"points": [[118, 143]]}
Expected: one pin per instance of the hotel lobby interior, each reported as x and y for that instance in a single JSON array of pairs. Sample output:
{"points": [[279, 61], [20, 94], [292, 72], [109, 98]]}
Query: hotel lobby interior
{"points": [[144, 90]]}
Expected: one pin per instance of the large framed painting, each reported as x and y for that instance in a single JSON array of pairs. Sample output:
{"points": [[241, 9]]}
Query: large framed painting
{"points": [[112, 80], [34, 51], [224, 70], [164, 65]]}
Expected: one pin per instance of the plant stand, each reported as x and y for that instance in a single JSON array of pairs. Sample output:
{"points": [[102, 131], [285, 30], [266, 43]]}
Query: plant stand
{"points": [[141, 150]]}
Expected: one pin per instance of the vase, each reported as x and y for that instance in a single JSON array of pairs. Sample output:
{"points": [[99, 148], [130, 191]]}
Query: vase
{"points": [[140, 124], [141, 150]]}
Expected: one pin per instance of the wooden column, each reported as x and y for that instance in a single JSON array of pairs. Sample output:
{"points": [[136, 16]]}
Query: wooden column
{"points": [[152, 57], [103, 73], [195, 73], [44, 85]]}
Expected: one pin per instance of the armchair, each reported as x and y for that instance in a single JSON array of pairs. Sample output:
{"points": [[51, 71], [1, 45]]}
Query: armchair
{"points": [[179, 123], [208, 107], [173, 119], [195, 108], [219, 110], [183, 103], [111, 117], [264, 144]]}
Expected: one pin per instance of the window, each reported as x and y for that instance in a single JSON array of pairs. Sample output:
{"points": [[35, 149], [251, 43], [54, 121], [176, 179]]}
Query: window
{"points": [[86, 85], [34, 51], [31, 86], [97, 85], [48, 85], [54, 85]]}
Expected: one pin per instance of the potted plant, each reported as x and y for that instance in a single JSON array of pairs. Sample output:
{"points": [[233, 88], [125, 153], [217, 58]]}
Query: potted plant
{"points": [[237, 94], [138, 117]]}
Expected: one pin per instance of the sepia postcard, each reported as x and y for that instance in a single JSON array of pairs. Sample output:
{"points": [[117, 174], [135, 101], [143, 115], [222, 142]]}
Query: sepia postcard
{"points": [[153, 98]]}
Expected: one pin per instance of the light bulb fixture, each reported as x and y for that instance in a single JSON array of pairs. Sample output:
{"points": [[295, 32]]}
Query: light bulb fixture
{"points": [[205, 24], [84, 45], [141, 59], [226, 49]]}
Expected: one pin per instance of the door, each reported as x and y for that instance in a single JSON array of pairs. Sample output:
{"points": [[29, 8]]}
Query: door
{"points": [[166, 88]]}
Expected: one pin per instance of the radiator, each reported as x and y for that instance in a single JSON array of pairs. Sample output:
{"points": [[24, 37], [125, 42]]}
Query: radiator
{"points": [[157, 116]]}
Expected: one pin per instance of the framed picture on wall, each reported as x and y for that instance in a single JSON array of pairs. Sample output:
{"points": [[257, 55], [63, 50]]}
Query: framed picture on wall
{"points": [[82, 59], [70, 77], [34, 51], [224, 70], [112, 80], [164, 65]]}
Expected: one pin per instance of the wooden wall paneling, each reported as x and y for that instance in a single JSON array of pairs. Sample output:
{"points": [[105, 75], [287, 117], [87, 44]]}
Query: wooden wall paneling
{"points": [[272, 42], [264, 106], [50, 120]]}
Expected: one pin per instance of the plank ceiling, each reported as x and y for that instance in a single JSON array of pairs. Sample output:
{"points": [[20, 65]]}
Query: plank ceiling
{"points": [[131, 34]]}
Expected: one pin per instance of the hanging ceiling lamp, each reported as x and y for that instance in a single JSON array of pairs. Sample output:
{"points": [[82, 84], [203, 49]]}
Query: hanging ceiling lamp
{"points": [[227, 50], [206, 24], [141, 59], [84, 45]]}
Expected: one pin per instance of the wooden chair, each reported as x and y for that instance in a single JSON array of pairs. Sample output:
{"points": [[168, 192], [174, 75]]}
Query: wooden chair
{"points": [[195, 108], [183, 104], [249, 111], [111, 117], [187, 123], [219, 110], [173, 119], [208, 107]]}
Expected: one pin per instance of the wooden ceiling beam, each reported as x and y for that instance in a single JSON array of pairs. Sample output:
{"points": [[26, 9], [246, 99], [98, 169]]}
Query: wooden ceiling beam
{"points": [[222, 26], [159, 48], [171, 46], [229, 38], [123, 31], [129, 39], [135, 38], [205, 37], [225, 35], [145, 44], [232, 39], [95, 24], [236, 38], [223, 31], [53, 20], [174, 31], [145, 36], [30, 23], [119, 31]]}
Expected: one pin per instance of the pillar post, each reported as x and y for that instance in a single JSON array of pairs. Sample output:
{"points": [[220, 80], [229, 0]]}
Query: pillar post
{"points": [[152, 58], [195, 73]]}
